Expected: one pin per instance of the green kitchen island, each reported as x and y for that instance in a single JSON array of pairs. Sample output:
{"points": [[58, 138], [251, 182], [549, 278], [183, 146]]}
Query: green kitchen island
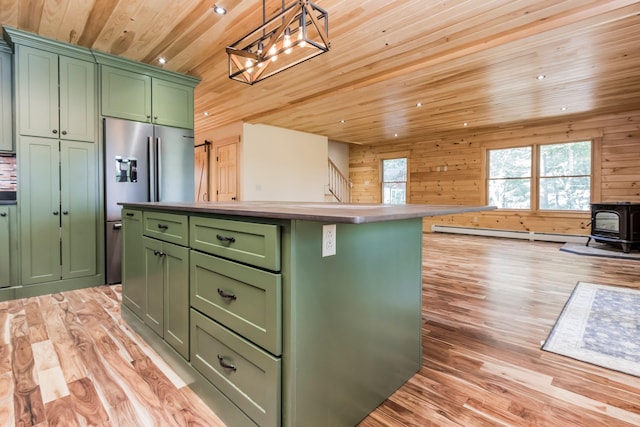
{"points": [[248, 303]]}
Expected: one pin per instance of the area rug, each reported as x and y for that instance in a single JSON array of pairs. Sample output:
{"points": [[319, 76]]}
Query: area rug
{"points": [[599, 249], [600, 325]]}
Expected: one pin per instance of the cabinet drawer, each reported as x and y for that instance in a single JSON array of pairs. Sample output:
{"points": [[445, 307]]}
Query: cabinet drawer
{"points": [[245, 299], [247, 242], [131, 214], [172, 228], [248, 376]]}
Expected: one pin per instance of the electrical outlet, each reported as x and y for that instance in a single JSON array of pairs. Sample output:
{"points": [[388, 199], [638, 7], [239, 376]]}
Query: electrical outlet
{"points": [[328, 240]]}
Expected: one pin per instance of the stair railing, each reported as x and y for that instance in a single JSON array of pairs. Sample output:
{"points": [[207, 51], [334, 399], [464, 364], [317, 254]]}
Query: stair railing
{"points": [[339, 185]]}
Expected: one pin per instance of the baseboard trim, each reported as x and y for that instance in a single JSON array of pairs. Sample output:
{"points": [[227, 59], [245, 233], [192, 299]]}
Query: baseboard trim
{"points": [[511, 234]]}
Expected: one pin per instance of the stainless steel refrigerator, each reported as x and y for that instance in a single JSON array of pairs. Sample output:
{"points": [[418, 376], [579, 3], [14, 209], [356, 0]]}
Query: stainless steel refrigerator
{"points": [[143, 162]]}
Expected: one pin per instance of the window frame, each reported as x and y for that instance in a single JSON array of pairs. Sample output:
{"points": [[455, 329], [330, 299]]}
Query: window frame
{"points": [[535, 144], [392, 156]]}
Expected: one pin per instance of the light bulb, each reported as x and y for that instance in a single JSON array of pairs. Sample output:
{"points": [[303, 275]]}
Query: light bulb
{"points": [[248, 65], [260, 48], [303, 42], [302, 33], [272, 53], [287, 41]]}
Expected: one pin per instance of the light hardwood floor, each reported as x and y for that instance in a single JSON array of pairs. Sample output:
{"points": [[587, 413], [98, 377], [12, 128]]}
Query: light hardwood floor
{"points": [[487, 305], [68, 359]]}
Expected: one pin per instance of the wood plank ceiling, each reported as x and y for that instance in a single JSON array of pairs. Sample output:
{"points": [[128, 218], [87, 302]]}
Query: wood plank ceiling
{"points": [[465, 61]]}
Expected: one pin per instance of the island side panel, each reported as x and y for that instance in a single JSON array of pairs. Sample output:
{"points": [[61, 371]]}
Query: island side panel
{"points": [[352, 321]]}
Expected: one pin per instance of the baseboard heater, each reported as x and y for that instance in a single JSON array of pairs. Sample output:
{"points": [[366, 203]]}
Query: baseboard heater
{"points": [[524, 235]]}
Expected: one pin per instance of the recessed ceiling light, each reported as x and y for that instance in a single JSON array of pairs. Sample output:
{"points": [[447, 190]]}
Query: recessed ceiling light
{"points": [[206, 113], [419, 104], [219, 9], [465, 124], [162, 60], [341, 121], [564, 108], [395, 134], [541, 77]]}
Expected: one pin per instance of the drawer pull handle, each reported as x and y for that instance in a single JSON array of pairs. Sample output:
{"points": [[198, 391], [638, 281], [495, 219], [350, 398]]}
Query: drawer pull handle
{"points": [[225, 364], [129, 214], [225, 239], [158, 253], [225, 295], [163, 226]]}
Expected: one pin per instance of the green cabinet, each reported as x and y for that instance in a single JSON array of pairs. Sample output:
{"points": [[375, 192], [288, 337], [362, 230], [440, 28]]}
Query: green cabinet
{"points": [[155, 274], [6, 102], [282, 335], [58, 208], [56, 95], [166, 304], [8, 246], [133, 265], [171, 104], [140, 97]]}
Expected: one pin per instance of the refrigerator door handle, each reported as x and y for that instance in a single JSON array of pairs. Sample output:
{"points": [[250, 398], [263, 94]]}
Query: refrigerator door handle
{"points": [[151, 170], [158, 167]]}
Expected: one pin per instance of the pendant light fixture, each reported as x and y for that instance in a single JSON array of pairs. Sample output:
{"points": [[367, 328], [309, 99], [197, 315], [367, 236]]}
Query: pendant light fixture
{"points": [[298, 33]]}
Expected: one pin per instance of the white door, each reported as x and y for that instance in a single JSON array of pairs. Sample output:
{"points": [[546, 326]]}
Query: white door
{"points": [[226, 166]]}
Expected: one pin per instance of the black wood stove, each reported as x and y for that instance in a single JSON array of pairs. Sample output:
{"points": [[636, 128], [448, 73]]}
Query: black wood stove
{"points": [[616, 223]]}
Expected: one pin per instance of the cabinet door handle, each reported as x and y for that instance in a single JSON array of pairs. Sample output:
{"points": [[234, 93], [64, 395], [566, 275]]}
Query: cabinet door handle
{"points": [[65, 212], [64, 132], [55, 131], [3, 214], [56, 212], [225, 364], [225, 239], [226, 295], [158, 253], [163, 226]]}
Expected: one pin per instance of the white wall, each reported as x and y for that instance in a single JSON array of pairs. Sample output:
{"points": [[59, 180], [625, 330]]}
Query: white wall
{"points": [[283, 165], [339, 155]]}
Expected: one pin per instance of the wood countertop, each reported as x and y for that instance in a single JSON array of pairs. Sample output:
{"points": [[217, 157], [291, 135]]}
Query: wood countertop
{"points": [[311, 211]]}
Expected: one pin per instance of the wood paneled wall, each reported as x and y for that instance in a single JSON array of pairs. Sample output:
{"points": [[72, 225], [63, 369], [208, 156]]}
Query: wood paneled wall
{"points": [[616, 172]]}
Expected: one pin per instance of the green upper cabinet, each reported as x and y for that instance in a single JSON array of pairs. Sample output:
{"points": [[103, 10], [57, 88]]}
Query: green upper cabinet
{"points": [[6, 112], [172, 104], [125, 94], [58, 209], [144, 93], [139, 97], [56, 95], [78, 102]]}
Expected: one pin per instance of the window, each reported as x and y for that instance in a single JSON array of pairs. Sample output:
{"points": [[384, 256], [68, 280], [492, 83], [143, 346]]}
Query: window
{"points": [[541, 177], [565, 176], [510, 178], [394, 181]]}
